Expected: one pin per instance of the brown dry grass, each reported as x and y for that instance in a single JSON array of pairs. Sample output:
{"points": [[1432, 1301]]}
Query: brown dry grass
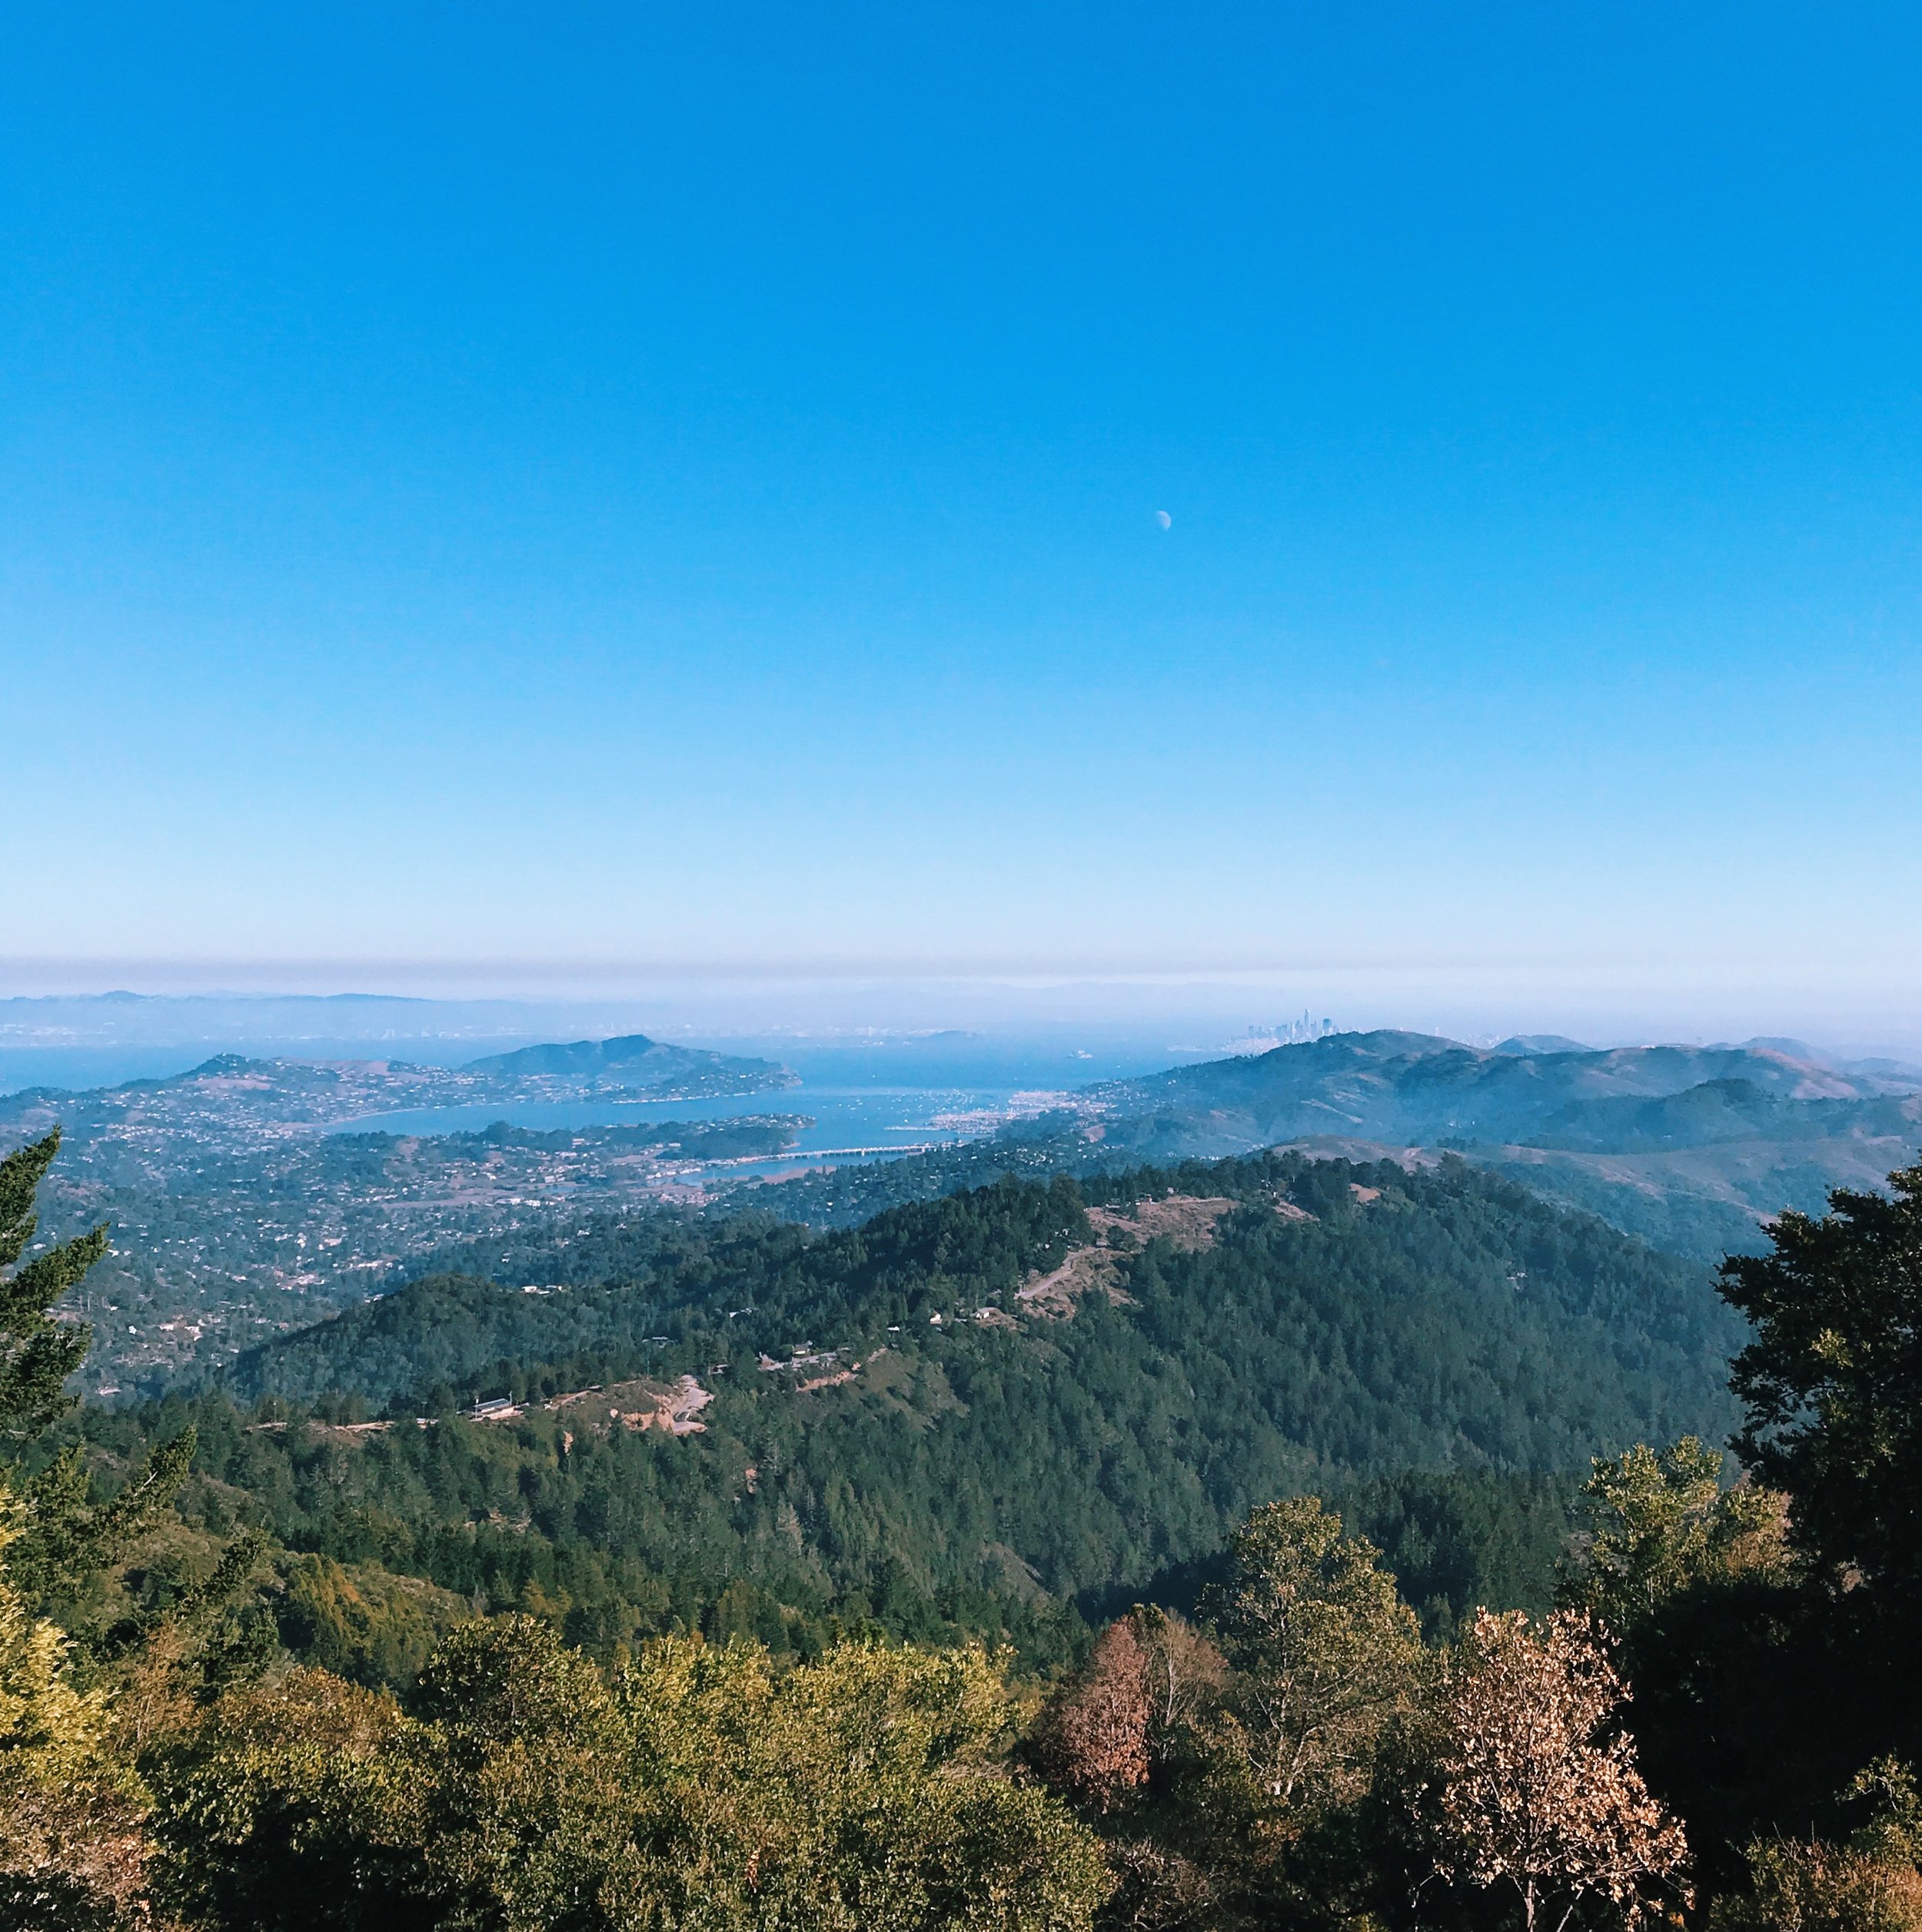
{"points": [[1053, 1296], [1186, 1220]]}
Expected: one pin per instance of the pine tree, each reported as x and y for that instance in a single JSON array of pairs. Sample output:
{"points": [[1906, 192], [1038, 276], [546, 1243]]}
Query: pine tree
{"points": [[72, 1849], [1833, 1378], [65, 1534], [37, 1352]]}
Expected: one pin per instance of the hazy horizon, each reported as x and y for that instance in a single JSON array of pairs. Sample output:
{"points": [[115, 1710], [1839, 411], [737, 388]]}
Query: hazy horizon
{"points": [[1139, 1019]]}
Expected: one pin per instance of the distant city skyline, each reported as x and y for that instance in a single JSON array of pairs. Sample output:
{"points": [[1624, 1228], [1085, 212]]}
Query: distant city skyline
{"points": [[1415, 510]]}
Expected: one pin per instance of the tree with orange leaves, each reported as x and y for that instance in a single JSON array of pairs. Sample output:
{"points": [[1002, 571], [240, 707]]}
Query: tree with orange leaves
{"points": [[1535, 1783], [1093, 1740]]}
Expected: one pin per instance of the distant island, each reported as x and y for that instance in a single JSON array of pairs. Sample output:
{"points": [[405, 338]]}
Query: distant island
{"points": [[633, 1060]]}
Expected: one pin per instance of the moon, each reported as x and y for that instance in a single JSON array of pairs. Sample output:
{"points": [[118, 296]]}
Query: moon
{"points": [[1163, 518]]}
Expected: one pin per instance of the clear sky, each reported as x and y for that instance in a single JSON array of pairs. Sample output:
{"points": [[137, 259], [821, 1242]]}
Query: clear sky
{"points": [[1400, 488]]}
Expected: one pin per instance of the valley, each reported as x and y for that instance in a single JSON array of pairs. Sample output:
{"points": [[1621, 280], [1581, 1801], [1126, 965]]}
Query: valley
{"points": [[615, 1389]]}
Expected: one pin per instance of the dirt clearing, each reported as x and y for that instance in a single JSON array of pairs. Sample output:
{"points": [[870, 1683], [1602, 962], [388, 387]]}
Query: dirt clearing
{"points": [[1188, 1220]]}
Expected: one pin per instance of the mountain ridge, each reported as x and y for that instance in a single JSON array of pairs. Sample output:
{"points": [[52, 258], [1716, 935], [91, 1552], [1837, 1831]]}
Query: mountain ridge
{"points": [[1693, 1149], [1120, 1368]]}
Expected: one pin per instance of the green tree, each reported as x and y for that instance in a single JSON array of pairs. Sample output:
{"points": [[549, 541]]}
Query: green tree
{"points": [[1324, 1651], [72, 1854], [37, 1352], [1871, 1882], [1660, 1523], [299, 1803], [1832, 1379], [73, 1850], [866, 1790], [701, 1789], [67, 1534]]}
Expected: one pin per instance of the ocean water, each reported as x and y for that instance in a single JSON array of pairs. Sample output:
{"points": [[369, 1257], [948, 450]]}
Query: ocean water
{"points": [[863, 1101]]}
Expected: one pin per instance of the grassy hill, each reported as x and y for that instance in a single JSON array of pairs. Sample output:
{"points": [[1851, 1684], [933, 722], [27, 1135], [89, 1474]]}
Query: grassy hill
{"points": [[633, 1059]]}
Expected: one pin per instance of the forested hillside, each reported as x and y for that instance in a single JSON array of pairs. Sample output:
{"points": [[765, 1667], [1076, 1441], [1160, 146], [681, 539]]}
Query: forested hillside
{"points": [[1509, 1297], [970, 1412]]}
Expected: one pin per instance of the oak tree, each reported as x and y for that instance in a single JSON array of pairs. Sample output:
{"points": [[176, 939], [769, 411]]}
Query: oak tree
{"points": [[1322, 1648], [1534, 1784]]}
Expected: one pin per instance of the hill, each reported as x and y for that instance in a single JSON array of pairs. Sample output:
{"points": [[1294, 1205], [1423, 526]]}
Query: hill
{"points": [[1416, 1087], [1690, 1148], [976, 1410], [634, 1060]]}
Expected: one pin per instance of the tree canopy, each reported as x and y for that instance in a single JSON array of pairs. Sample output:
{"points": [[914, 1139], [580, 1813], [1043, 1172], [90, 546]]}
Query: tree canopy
{"points": [[1833, 1378]]}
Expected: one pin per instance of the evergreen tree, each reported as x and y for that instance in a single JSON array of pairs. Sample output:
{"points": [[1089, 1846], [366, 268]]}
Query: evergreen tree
{"points": [[1832, 1379], [71, 1850], [67, 1535], [37, 1352]]}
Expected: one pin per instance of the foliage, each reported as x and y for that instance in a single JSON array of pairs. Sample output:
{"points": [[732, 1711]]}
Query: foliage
{"points": [[70, 1849], [1869, 1883], [1802, 1671], [1307, 1761], [36, 1353], [366, 1625], [73, 1851], [520, 1749], [1833, 1378], [1094, 1740], [973, 1478], [699, 1789], [1323, 1650], [1372, 1339], [1661, 1523], [1126, 1739], [66, 1534], [1458, 1539], [1534, 1787], [287, 1804], [886, 1760], [1805, 1885]]}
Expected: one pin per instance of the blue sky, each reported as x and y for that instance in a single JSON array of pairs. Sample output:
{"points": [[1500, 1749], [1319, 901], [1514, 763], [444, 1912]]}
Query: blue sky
{"points": [[628, 487]]}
